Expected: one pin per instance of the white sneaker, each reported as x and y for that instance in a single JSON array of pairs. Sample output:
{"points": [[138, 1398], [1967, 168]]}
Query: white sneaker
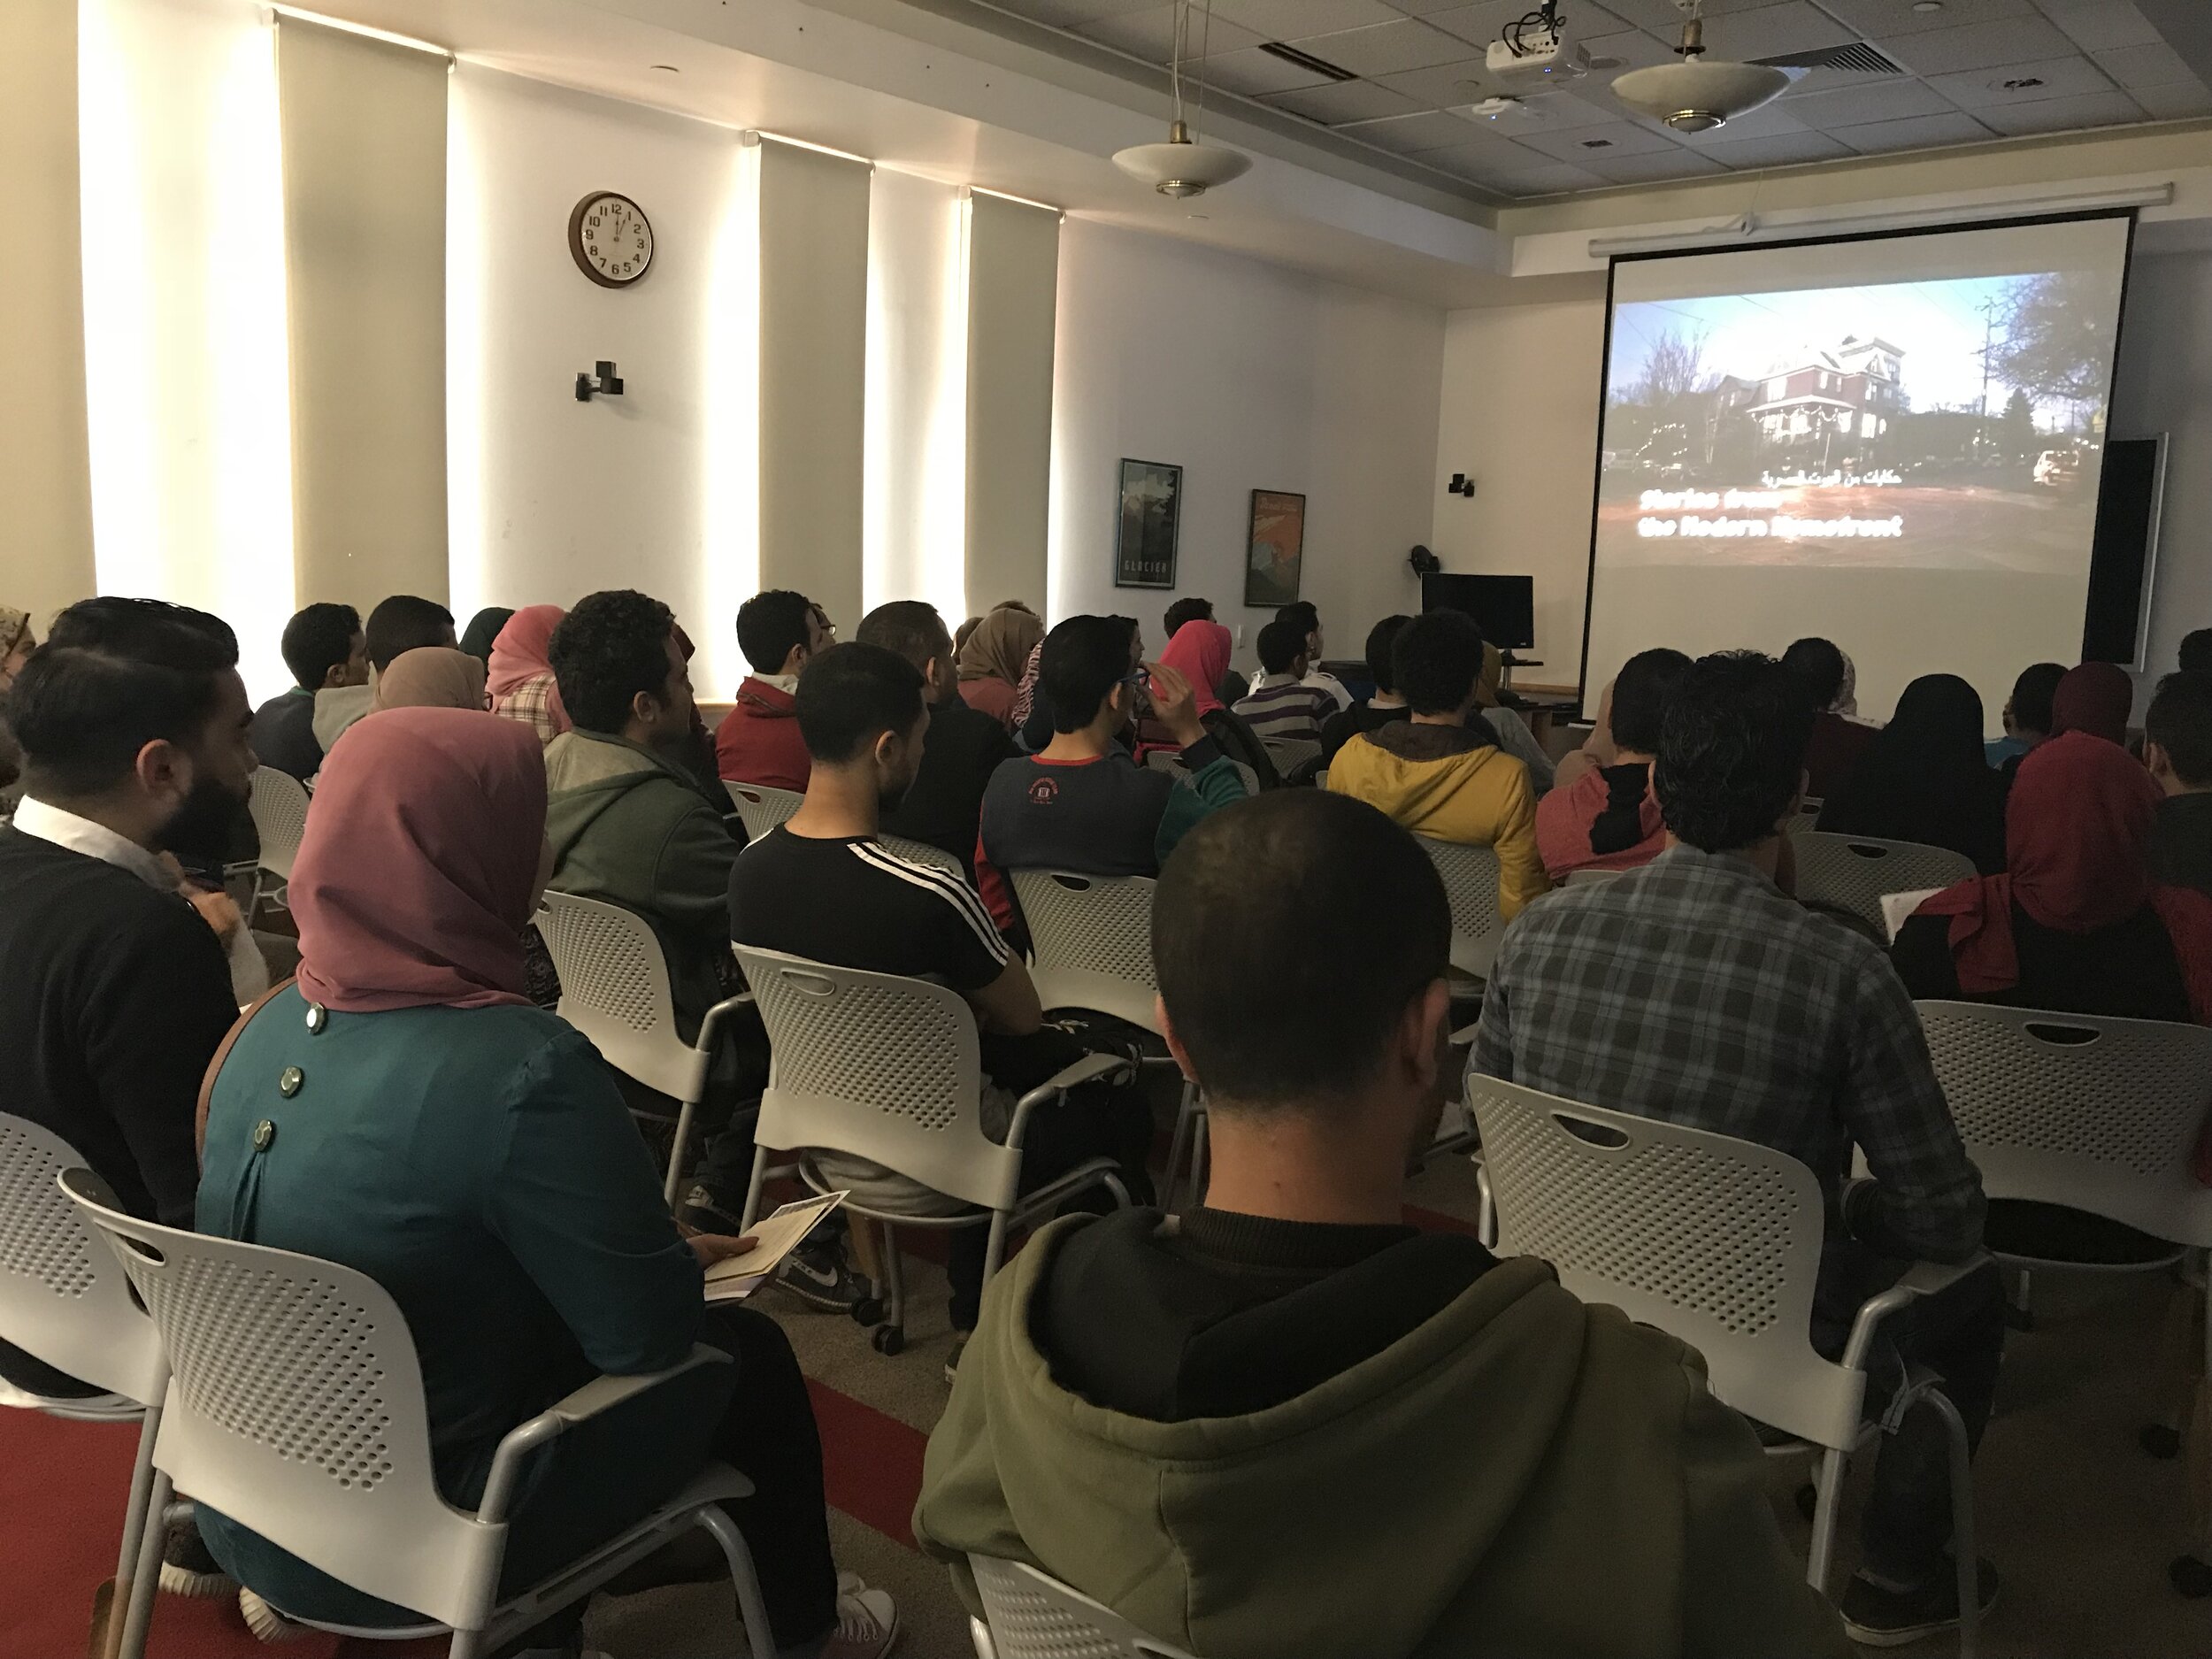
{"points": [[266, 1623], [867, 1622]]}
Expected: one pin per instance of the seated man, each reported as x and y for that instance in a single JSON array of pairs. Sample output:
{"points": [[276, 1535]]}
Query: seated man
{"points": [[1441, 773], [400, 624], [2027, 718], [758, 740], [965, 745], [1602, 815], [1081, 803], [821, 885], [325, 649], [1280, 704], [2177, 749], [1306, 617], [1379, 709], [1285, 1423], [1839, 738], [113, 993], [1696, 991]]}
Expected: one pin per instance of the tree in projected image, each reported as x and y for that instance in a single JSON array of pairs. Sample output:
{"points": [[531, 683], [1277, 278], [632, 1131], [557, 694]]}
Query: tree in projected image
{"points": [[2056, 343]]}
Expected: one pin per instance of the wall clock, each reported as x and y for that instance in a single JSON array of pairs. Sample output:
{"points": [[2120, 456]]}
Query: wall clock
{"points": [[610, 239]]}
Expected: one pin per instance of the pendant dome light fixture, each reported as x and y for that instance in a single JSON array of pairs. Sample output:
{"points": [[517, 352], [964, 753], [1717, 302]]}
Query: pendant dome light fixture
{"points": [[1696, 96], [1184, 166]]}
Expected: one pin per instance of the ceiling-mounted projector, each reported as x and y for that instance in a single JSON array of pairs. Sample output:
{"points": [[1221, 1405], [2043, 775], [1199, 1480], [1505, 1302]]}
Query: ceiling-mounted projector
{"points": [[1535, 51], [1698, 95]]}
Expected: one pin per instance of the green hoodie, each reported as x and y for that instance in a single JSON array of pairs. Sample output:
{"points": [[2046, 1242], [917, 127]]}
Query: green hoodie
{"points": [[1522, 1475], [632, 829]]}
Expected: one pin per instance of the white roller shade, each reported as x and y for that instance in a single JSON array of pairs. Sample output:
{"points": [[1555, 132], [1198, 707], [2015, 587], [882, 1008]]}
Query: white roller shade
{"points": [[1013, 279]]}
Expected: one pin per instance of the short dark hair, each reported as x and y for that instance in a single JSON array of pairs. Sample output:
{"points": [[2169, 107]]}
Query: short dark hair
{"points": [[1732, 751], [405, 623], [318, 640], [1382, 640], [2196, 652], [609, 646], [2032, 695], [1281, 644], [1304, 612], [1289, 934], [1083, 659], [852, 693], [114, 675], [771, 625], [2179, 721], [1819, 667], [1186, 611], [1436, 660], [1642, 693], [911, 628]]}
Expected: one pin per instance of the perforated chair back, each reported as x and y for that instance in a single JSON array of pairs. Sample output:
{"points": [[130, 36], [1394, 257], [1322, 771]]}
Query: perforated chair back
{"points": [[1290, 753], [2100, 1114], [879, 1067], [1093, 938], [923, 853], [296, 1408], [615, 989], [63, 1298], [1714, 1239], [1167, 761], [1854, 871], [1033, 1616], [760, 808], [1470, 882], [278, 803]]}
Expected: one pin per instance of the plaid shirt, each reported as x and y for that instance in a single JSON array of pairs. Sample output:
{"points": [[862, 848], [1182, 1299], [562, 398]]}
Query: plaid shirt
{"points": [[1694, 991], [530, 702]]}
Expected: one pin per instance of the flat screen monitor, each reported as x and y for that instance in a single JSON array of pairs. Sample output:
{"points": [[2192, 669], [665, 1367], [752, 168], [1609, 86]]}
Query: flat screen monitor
{"points": [[1504, 606]]}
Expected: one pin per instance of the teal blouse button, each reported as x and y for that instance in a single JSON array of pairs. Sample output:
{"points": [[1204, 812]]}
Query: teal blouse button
{"points": [[264, 1133], [288, 1081]]}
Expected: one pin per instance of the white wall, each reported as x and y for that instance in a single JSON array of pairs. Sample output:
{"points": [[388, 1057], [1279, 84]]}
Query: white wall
{"points": [[1248, 377]]}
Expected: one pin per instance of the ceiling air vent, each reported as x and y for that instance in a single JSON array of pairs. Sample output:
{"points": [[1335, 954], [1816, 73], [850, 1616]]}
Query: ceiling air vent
{"points": [[1307, 61], [1858, 58]]}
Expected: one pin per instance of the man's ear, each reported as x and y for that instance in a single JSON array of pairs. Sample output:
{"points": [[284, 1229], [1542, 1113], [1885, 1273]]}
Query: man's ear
{"points": [[164, 769], [645, 707], [2155, 759], [1174, 1043], [333, 677]]}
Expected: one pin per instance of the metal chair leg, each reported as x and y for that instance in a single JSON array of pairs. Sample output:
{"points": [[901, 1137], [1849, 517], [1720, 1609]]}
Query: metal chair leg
{"points": [[995, 1252], [145, 1573], [752, 1610], [1821, 1556], [674, 1183], [136, 1523], [895, 1273], [753, 1186]]}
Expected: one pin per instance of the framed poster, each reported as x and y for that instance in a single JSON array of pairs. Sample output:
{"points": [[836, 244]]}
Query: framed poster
{"points": [[1149, 508], [1275, 549]]}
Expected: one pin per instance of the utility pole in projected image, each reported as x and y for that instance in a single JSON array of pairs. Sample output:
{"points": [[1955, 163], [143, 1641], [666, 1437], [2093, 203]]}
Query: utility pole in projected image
{"points": [[1988, 309]]}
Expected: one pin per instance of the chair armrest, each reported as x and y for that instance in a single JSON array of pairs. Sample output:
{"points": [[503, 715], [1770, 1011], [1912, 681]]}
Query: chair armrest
{"points": [[600, 1394], [1088, 1068], [713, 1017], [1922, 1278]]}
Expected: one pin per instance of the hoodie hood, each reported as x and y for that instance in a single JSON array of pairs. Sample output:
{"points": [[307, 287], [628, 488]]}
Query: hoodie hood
{"points": [[1410, 772], [587, 773]]}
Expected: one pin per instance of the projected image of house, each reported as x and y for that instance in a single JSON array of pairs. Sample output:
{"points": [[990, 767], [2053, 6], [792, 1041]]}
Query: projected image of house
{"points": [[1834, 403]]}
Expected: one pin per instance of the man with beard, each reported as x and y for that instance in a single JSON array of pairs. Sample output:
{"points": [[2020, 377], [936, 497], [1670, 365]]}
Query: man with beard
{"points": [[821, 885], [114, 994]]}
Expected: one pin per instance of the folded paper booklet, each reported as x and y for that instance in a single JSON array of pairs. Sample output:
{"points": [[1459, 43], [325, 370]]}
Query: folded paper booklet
{"points": [[774, 1237]]}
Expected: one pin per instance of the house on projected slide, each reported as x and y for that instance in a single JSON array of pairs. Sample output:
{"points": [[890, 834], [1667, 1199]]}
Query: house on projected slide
{"points": [[1822, 410]]}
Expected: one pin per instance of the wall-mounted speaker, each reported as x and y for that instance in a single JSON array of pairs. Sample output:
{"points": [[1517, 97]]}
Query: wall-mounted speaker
{"points": [[2124, 558]]}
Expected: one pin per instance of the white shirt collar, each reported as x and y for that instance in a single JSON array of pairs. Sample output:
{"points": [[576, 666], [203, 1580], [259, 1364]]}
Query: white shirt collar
{"points": [[50, 822], [788, 684]]}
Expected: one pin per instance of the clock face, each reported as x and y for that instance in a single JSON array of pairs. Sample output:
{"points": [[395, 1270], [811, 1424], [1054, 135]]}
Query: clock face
{"points": [[611, 240]]}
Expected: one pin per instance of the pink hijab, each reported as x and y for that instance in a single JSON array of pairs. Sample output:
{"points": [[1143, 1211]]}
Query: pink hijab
{"points": [[414, 881], [2096, 698], [1199, 652], [519, 654]]}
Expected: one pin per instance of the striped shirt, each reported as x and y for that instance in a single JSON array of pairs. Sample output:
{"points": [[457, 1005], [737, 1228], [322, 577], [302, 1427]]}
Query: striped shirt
{"points": [[1281, 707]]}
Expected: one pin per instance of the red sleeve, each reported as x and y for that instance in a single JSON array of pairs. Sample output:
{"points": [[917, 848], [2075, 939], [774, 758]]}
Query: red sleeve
{"points": [[991, 883]]}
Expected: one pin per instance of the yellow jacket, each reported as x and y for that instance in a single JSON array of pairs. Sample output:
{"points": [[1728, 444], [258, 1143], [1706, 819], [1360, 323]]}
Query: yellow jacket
{"points": [[1455, 783]]}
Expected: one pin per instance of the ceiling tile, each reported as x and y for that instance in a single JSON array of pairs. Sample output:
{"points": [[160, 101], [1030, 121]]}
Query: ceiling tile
{"points": [[1653, 169], [1410, 135], [1151, 34], [1919, 131], [2157, 65], [1346, 101], [1068, 15], [2063, 115], [1978, 46], [1295, 19], [1253, 71], [1387, 47], [1875, 18], [1480, 22], [1537, 178], [2099, 25], [1769, 31], [1778, 150], [1635, 47], [2052, 77], [1560, 112], [1856, 106], [1487, 150], [1443, 87], [1662, 17], [2177, 102], [1615, 139]]}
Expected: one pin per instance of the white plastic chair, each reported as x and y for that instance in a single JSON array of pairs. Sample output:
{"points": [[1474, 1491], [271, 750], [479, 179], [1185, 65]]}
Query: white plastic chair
{"points": [[1717, 1242], [1032, 1615], [1290, 753], [1853, 871], [1471, 883], [889, 1069], [63, 1299], [1091, 940], [922, 853], [614, 989], [295, 1408], [1167, 761], [278, 804], [761, 807]]}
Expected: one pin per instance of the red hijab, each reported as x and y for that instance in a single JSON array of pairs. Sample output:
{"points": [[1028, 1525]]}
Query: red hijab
{"points": [[414, 881], [519, 654], [2096, 698], [2077, 832], [1200, 653]]}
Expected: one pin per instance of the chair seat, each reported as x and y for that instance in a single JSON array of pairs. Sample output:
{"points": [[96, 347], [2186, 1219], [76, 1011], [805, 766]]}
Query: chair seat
{"points": [[76, 1407], [2023, 1230]]}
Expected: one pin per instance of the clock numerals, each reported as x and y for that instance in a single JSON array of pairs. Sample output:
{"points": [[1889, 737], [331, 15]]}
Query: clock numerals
{"points": [[624, 253]]}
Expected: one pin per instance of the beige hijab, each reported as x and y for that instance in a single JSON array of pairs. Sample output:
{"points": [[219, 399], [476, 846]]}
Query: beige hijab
{"points": [[431, 677], [999, 647]]}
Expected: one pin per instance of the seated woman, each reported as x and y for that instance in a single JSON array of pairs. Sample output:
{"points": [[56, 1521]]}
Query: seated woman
{"points": [[1925, 779], [521, 681], [431, 677], [2096, 698], [1200, 653], [992, 661], [471, 1154]]}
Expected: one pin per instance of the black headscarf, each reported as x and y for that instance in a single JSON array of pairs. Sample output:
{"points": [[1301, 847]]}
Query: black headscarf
{"points": [[483, 628], [1924, 778]]}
